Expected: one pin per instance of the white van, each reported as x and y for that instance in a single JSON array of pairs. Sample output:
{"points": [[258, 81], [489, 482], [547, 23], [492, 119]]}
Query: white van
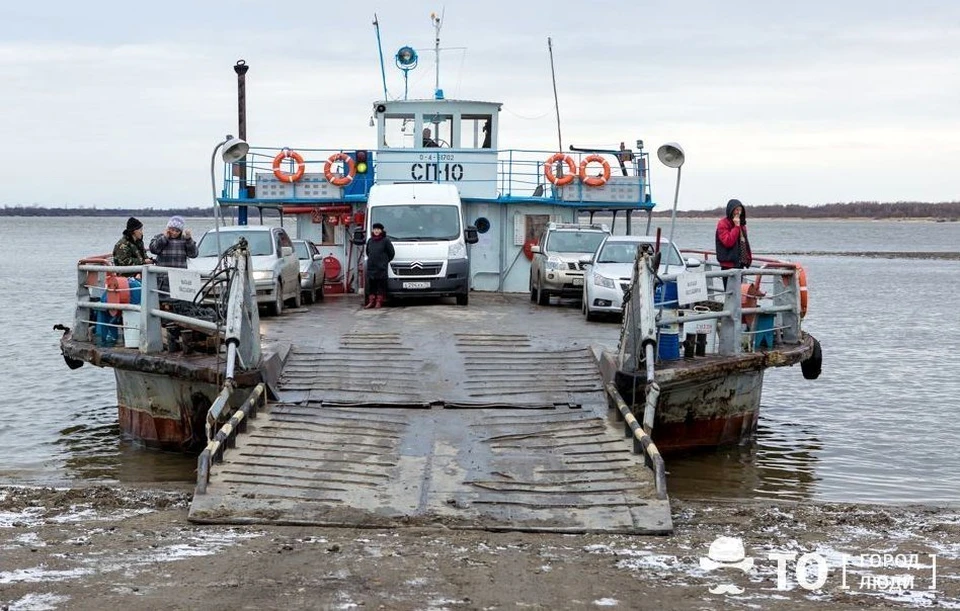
{"points": [[425, 223]]}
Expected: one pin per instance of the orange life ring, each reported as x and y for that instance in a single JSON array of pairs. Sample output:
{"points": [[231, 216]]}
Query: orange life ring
{"points": [[340, 180], [801, 281], [567, 178], [118, 291], [594, 181], [286, 176]]}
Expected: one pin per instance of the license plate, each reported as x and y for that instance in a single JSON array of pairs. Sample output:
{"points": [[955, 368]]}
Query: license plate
{"points": [[416, 285], [578, 282]]}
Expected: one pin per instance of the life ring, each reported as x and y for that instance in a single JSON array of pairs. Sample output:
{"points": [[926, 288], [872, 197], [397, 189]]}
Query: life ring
{"points": [[801, 281], [286, 176], [340, 180], [567, 178], [118, 292], [594, 181]]}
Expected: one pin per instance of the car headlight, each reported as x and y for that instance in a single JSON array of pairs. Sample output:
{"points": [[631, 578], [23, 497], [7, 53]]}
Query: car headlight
{"points": [[552, 264], [457, 250], [603, 281], [304, 275], [262, 275]]}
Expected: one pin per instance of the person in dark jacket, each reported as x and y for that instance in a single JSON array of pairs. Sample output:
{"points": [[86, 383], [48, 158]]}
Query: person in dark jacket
{"points": [[379, 255], [733, 245], [129, 250]]}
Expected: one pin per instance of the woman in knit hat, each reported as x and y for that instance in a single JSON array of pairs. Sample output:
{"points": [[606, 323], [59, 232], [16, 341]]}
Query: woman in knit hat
{"points": [[172, 248], [129, 249]]}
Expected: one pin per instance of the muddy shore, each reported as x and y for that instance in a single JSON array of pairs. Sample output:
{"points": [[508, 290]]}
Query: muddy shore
{"points": [[133, 548]]}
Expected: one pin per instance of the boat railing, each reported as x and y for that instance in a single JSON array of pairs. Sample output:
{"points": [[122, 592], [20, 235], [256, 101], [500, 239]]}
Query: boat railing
{"points": [[503, 175], [754, 308], [124, 307]]}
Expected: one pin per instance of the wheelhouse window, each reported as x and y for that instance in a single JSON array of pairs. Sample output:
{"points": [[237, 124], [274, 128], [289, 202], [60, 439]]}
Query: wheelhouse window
{"points": [[476, 132], [437, 131], [398, 131]]}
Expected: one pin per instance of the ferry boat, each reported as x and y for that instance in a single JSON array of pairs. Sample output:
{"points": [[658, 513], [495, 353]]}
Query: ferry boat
{"points": [[486, 411]]}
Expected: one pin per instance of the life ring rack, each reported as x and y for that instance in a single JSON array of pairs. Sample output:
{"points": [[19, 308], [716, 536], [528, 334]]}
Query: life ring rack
{"points": [[565, 179], [283, 176], [340, 180]]}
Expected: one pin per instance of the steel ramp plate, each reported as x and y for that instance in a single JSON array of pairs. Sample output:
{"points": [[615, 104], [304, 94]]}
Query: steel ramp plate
{"points": [[388, 421], [563, 470]]}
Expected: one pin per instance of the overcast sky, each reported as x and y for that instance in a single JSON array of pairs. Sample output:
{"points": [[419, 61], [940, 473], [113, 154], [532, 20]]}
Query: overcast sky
{"points": [[121, 103]]}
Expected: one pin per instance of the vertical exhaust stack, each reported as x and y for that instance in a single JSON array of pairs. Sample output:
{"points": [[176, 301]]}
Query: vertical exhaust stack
{"points": [[240, 169]]}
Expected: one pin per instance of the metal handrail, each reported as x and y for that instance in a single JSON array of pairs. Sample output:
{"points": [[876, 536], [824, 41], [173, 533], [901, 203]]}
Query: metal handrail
{"points": [[227, 435], [642, 441]]}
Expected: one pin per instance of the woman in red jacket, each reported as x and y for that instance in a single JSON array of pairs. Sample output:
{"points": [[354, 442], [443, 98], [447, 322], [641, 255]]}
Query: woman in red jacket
{"points": [[733, 245]]}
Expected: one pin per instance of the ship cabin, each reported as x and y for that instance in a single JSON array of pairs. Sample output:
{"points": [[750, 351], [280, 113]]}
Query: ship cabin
{"points": [[509, 195]]}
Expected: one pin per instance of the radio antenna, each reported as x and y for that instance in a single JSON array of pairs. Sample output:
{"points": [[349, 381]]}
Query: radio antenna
{"points": [[437, 24], [556, 101], [383, 71]]}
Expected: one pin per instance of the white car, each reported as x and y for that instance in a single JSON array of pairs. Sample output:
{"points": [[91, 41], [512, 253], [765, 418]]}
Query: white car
{"points": [[609, 271], [276, 269]]}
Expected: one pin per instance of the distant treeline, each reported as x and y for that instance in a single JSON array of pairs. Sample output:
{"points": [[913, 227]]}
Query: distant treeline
{"points": [[138, 212], [870, 210]]}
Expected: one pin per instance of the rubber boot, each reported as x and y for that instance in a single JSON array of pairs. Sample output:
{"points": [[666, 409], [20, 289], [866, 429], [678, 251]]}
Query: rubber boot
{"points": [[371, 301], [379, 302]]}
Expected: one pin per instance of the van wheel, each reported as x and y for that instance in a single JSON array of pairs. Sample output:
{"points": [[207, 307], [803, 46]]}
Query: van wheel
{"points": [[297, 298], [543, 298], [319, 296], [463, 299], [533, 292], [276, 308]]}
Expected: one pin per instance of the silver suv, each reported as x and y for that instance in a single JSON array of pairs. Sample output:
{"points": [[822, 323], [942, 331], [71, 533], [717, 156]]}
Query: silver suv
{"points": [[556, 268]]}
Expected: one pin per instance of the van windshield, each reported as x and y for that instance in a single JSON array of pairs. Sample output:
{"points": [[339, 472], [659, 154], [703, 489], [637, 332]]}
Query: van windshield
{"points": [[260, 242], [418, 222]]}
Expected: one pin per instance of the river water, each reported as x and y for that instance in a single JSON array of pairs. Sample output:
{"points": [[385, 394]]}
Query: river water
{"points": [[880, 425]]}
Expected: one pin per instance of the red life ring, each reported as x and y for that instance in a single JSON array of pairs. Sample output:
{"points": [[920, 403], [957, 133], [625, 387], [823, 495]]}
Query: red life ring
{"points": [[567, 178], [285, 176], [340, 180], [594, 181]]}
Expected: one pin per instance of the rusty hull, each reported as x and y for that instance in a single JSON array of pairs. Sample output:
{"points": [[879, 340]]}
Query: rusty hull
{"points": [[708, 401], [163, 399]]}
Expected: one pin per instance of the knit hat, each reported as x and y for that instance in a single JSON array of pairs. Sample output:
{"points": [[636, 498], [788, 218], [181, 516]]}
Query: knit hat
{"points": [[176, 222], [377, 226], [133, 224]]}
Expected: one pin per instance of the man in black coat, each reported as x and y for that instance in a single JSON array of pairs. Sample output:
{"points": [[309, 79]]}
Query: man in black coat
{"points": [[379, 255]]}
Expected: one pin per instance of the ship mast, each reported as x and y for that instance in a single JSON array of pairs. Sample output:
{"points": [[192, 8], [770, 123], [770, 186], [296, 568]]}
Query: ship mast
{"points": [[437, 23]]}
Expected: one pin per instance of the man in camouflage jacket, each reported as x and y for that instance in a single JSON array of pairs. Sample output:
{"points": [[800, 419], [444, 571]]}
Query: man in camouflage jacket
{"points": [[130, 250]]}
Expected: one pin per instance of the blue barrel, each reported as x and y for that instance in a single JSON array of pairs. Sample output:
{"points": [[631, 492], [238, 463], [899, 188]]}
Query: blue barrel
{"points": [[668, 346], [665, 295]]}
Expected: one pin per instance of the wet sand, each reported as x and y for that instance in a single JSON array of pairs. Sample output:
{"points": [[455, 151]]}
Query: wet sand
{"points": [[132, 548]]}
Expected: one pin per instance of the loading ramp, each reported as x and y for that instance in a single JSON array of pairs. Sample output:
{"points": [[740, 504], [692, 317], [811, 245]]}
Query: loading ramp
{"points": [[488, 417]]}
